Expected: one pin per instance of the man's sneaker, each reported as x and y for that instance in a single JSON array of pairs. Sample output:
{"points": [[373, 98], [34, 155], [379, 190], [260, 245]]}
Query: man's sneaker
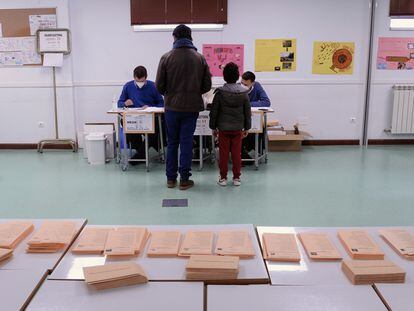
{"points": [[186, 184], [222, 182], [237, 182], [171, 183]]}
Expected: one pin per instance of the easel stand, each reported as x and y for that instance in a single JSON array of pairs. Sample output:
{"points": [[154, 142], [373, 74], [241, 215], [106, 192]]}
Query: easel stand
{"points": [[57, 141]]}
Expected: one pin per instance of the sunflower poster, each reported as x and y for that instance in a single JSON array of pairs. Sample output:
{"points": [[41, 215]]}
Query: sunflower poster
{"points": [[333, 58]]}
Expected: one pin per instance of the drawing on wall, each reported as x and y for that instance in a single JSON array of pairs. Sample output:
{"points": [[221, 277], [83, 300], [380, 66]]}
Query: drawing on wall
{"points": [[333, 58], [16, 51], [219, 55], [275, 55], [395, 54]]}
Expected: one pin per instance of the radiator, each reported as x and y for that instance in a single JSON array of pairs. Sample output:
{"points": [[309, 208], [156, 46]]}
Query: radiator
{"points": [[403, 110]]}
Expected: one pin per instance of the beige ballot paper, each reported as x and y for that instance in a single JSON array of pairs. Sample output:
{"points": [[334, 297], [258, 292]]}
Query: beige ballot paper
{"points": [[400, 240], [121, 243], [52, 237], [360, 245], [5, 254], [142, 236], [319, 246], [211, 267], [236, 243], [197, 243], [114, 275], [280, 247], [91, 241], [164, 244], [13, 232]]}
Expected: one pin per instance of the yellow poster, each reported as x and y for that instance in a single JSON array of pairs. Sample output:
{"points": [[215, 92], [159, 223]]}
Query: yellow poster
{"points": [[333, 58], [275, 55]]}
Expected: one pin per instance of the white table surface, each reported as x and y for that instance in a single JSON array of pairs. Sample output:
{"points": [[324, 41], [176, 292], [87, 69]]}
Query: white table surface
{"points": [[154, 296], [292, 298], [399, 297], [23, 260], [166, 269], [309, 272], [17, 286]]}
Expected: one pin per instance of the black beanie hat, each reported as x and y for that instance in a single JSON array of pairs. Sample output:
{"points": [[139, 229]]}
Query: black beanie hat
{"points": [[182, 32]]}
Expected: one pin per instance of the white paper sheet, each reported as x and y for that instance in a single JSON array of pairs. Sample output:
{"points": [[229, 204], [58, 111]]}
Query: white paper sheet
{"points": [[53, 60], [41, 22], [1, 30]]}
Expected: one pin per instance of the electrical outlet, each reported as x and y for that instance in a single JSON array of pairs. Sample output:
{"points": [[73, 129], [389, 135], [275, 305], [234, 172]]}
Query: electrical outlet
{"points": [[352, 120], [41, 124]]}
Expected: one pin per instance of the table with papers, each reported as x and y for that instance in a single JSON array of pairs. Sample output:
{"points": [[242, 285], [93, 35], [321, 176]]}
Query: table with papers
{"points": [[398, 297], [166, 269], [43, 261], [308, 272], [288, 298], [154, 296]]}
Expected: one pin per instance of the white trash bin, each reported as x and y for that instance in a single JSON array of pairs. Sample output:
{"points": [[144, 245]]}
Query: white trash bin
{"points": [[96, 148]]}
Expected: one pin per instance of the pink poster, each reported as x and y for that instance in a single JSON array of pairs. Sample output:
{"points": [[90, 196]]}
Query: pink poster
{"points": [[218, 55], [395, 54]]}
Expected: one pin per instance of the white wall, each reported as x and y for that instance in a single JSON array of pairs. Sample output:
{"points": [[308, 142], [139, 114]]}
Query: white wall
{"points": [[26, 94], [105, 51]]}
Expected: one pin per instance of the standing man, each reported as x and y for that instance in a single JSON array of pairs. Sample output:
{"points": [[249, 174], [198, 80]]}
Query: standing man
{"points": [[183, 76]]}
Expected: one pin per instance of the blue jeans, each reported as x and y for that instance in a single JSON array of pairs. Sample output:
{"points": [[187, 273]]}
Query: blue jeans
{"points": [[180, 131]]}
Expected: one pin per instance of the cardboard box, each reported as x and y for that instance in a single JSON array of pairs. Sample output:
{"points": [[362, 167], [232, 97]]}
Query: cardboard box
{"points": [[288, 142]]}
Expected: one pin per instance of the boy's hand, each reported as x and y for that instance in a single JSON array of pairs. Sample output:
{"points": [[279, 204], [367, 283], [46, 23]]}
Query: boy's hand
{"points": [[245, 133], [215, 133]]}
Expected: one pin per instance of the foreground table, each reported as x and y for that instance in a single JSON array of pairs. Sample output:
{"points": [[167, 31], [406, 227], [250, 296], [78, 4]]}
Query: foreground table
{"points": [[292, 298], [76, 295], [398, 297]]}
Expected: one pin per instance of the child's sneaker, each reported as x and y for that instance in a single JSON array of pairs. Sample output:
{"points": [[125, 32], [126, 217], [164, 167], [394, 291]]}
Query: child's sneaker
{"points": [[237, 182], [222, 182]]}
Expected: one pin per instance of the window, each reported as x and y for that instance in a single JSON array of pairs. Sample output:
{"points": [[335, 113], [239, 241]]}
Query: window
{"points": [[401, 8]]}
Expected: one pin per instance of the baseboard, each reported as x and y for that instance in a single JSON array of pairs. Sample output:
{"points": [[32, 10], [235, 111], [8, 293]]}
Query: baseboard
{"points": [[391, 142], [331, 142], [33, 146]]}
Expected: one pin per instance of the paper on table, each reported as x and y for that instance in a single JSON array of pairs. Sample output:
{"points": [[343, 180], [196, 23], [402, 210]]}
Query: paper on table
{"points": [[5, 254], [54, 232], [280, 247], [318, 246], [121, 243], [400, 240], [164, 244], [92, 241], [359, 244], [12, 233], [142, 236], [53, 60], [236, 243], [197, 243]]}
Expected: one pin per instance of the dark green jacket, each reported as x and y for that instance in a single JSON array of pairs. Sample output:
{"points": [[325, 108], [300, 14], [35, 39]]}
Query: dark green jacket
{"points": [[231, 110]]}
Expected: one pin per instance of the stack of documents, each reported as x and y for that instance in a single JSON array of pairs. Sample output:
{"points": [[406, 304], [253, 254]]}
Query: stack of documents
{"points": [[128, 241], [401, 241], [114, 275], [359, 245], [164, 244], [52, 236], [280, 247], [210, 267], [235, 243], [367, 272], [319, 247], [197, 243], [5, 254], [12, 233], [91, 241]]}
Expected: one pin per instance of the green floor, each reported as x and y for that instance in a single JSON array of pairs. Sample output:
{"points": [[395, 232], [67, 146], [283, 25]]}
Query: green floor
{"points": [[321, 186]]}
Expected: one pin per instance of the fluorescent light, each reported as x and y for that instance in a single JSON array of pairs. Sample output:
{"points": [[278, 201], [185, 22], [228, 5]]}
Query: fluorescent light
{"points": [[402, 23], [169, 27]]}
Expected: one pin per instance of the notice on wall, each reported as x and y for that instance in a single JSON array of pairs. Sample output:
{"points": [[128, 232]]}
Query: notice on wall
{"points": [[275, 55], [11, 58], [395, 54], [219, 55], [139, 123], [54, 41], [1, 30], [16, 51], [53, 60], [333, 58], [37, 22]]}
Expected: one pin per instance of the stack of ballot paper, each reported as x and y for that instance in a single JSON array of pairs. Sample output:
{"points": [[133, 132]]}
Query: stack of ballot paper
{"points": [[91, 241], [359, 245], [52, 236], [280, 247], [128, 241], [366, 272], [211, 267], [164, 244], [319, 247], [235, 243], [401, 241], [13, 232], [197, 243], [5, 254], [114, 275]]}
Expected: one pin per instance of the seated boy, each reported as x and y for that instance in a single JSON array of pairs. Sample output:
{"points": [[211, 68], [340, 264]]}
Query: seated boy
{"points": [[230, 119]]}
